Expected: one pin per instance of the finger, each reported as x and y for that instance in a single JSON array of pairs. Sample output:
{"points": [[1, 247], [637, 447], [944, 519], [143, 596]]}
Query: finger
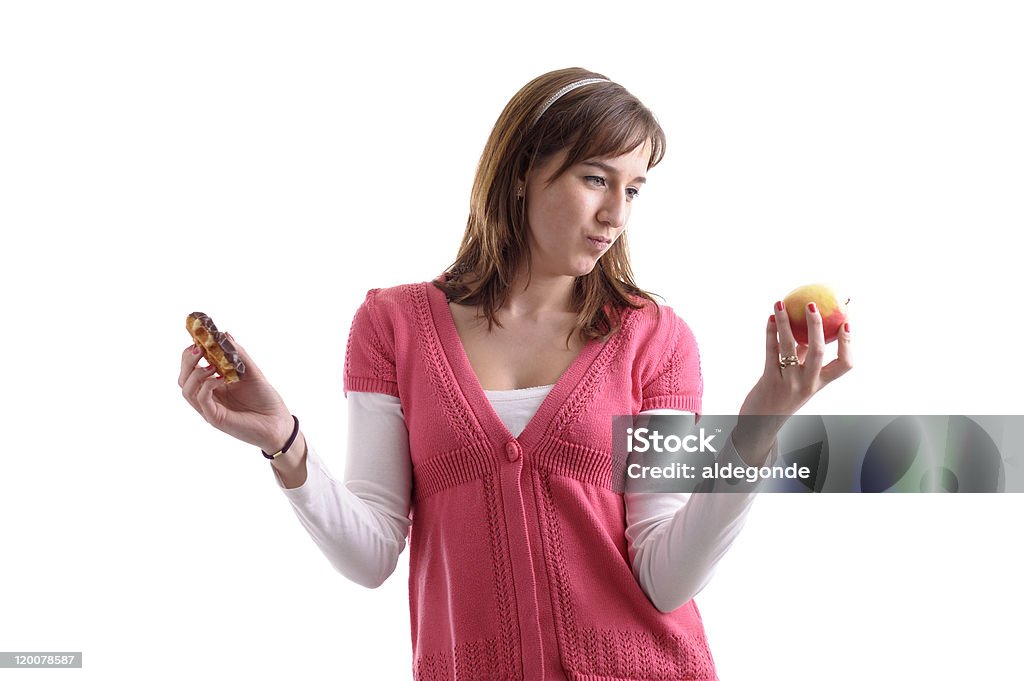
{"points": [[207, 403], [815, 354], [189, 358], [787, 344], [771, 350], [192, 384], [844, 361]]}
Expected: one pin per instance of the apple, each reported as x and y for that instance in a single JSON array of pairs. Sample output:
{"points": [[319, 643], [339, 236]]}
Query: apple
{"points": [[830, 306]]}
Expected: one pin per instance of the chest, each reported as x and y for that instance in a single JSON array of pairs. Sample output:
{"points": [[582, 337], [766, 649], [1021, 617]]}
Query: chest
{"points": [[519, 354]]}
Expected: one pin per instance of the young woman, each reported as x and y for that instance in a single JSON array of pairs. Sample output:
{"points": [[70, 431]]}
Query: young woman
{"points": [[480, 407]]}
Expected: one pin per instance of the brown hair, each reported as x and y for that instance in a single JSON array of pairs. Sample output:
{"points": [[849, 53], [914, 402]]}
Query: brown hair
{"points": [[598, 119]]}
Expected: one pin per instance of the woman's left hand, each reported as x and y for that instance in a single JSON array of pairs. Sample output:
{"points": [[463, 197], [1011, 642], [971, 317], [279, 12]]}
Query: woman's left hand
{"points": [[782, 390]]}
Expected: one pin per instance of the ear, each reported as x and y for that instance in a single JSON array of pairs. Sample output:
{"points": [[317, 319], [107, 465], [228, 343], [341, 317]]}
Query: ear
{"points": [[520, 187]]}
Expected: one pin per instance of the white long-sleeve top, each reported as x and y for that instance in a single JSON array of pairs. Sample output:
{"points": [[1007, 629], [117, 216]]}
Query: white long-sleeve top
{"points": [[361, 524]]}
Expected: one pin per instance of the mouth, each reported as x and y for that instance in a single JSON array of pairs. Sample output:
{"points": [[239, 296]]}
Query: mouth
{"points": [[599, 240]]}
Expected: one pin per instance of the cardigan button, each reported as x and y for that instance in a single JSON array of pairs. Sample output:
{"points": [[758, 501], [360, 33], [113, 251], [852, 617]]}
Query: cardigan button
{"points": [[512, 450]]}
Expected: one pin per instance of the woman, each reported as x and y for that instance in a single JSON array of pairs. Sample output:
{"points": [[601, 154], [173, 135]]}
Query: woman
{"points": [[480, 413]]}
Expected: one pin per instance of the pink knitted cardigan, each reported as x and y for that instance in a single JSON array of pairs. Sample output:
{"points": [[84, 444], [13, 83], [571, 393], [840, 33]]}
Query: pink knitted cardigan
{"points": [[518, 564]]}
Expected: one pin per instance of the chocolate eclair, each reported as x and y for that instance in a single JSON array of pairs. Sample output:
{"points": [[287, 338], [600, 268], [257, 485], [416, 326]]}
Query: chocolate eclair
{"points": [[217, 349]]}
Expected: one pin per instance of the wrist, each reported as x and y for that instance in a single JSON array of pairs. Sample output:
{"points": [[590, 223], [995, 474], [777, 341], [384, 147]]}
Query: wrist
{"points": [[285, 433], [294, 458], [754, 436]]}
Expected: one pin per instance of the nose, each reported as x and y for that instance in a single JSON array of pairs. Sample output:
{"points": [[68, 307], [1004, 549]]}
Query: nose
{"points": [[614, 211]]}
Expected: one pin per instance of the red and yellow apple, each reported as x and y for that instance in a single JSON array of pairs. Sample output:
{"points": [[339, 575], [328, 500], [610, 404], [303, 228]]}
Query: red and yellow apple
{"points": [[830, 306]]}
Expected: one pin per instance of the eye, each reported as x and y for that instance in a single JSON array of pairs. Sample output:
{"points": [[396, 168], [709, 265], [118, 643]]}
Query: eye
{"points": [[598, 181]]}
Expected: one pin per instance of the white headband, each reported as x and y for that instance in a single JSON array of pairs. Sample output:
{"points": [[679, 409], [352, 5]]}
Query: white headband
{"points": [[565, 90]]}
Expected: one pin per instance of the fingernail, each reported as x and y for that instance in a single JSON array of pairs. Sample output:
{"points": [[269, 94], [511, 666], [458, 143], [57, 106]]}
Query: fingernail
{"points": [[810, 306], [771, 319], [209, 368], [229, 336], [846, 327], [196, 350], [778, 306]]}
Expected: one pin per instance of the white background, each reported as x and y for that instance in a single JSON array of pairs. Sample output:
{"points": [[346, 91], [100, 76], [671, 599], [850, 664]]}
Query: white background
{"points": [[268, 163]]}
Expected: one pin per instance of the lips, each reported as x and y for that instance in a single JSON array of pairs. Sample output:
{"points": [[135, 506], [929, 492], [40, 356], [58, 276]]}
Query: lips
{"points": [[600, 239]]}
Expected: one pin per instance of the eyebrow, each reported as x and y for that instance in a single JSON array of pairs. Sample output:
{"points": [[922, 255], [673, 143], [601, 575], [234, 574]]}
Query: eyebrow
{"points": [[611, 171]]}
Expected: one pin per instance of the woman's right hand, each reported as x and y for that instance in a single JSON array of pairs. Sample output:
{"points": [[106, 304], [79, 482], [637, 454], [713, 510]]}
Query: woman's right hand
{"points": [[248, 409]]}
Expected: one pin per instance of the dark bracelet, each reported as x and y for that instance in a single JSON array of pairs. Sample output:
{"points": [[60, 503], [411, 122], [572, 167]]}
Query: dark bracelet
{"points": [[286, 444]]}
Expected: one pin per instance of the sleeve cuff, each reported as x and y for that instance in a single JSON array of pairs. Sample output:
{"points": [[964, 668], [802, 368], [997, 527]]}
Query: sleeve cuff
{"points": [[730, 455], [317, 477]]}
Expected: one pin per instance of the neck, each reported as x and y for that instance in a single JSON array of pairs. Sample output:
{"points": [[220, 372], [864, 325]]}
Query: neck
{"points": [[542, 296]]}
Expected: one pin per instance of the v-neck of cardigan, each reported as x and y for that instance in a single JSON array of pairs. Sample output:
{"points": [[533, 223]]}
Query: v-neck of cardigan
{"points": [[469, 383]]}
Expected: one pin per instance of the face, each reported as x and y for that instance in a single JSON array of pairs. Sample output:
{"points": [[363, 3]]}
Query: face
{"points": [[576, 219]]}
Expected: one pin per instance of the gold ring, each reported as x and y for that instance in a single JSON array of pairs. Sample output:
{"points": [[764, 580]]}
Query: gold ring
{"points": [[789, 361]]}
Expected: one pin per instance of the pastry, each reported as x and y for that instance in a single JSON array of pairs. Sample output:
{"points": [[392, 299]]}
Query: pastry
{"points": [[217, 349]]}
